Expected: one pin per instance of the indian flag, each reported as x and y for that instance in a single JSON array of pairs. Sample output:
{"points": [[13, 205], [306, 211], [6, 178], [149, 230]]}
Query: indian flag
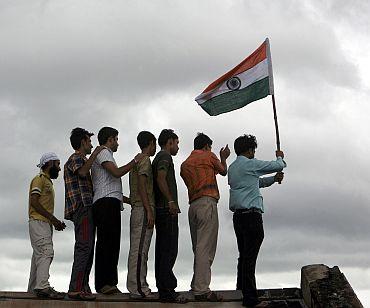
{"points": [[249, 81]]}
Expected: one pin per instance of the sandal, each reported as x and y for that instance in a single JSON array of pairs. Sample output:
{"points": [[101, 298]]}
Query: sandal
{"points": [[209, 297]]}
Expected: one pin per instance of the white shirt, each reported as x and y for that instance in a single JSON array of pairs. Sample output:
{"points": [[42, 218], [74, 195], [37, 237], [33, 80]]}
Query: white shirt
{"points": [[105, 184]]}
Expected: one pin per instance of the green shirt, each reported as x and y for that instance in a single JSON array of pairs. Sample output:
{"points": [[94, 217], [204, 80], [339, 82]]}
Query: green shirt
{"points": [[163, 161], [142, 168]]}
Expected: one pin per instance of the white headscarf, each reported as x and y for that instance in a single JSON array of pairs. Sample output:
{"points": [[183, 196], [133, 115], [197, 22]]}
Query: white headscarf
{"points": [[46, 158]]}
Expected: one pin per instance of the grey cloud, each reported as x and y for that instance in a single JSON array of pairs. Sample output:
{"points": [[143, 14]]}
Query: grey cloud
{"points": [[56, 63], [137, 69]]}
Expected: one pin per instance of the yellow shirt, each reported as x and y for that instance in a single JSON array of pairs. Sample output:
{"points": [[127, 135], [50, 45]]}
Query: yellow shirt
{"points": [[43, 186], [144, 167]]}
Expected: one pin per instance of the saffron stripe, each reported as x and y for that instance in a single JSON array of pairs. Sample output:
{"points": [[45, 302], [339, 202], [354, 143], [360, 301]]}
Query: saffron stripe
{"points": [[257, 56]]}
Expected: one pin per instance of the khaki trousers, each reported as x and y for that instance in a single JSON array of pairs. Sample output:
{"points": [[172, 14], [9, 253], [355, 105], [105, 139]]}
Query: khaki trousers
{"points": [[203, 221], [140, 238], [41, 234]]}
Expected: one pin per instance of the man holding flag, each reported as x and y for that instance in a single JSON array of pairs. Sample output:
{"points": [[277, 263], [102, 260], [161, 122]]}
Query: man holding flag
{"points": [[249, 81], [246, 203]]}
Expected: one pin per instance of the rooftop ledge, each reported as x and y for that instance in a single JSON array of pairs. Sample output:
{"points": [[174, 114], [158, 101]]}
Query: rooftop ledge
{"points": [[321, 287]]}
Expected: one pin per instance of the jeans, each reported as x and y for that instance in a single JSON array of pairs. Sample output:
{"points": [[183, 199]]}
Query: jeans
{"points": [[249, 233], [166, 248]]}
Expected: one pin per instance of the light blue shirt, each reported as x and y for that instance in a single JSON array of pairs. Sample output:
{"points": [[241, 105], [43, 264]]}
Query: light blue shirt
{"points": [[245, 182]]}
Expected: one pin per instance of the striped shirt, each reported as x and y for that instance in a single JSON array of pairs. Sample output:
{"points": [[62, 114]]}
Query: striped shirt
{"points": [[199, 174], [105, 184], [78, 189]]}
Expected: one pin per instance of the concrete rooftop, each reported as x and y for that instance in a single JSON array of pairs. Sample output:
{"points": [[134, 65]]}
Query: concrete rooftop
{"points": [[276, 298]]}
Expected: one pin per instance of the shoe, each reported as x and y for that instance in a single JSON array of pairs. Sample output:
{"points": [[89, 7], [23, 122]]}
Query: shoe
{"points": [[116, 290], [81, 296], [209, 297], [149, 296], [251, 302], [108, 290], [174, 298], [49, 293]]}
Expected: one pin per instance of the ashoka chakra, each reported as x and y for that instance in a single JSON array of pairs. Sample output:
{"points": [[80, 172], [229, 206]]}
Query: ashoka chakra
{"points": [[234, 83]]}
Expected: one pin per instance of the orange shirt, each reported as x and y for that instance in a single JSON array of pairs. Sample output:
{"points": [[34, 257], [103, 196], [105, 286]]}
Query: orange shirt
{"points": [[199, 174]]}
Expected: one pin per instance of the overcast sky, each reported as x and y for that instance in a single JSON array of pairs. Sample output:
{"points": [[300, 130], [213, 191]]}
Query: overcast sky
{"points": [[138, 65]]}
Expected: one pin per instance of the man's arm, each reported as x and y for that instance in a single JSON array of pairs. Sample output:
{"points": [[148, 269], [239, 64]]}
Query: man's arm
{"points": [[85, 168], [269, 180], [165, 190], [144, 199], [266, 167], [224, 154], [59, 225], [118, 172]]}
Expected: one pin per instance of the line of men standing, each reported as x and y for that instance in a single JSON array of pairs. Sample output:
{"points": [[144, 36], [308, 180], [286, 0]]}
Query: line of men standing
{"points": [[93, 202]]}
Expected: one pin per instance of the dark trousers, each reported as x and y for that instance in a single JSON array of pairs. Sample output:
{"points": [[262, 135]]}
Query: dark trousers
{"points": [[84, 249], [249, 235], [107, 219], [166, 247]]}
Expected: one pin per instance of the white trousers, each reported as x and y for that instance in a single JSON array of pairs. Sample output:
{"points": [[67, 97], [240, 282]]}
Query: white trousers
{"points": [[41, 236], [140, 238]]}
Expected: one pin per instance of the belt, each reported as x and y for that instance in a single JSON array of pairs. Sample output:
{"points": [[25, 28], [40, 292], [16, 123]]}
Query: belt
{"points": [[247, 211]]}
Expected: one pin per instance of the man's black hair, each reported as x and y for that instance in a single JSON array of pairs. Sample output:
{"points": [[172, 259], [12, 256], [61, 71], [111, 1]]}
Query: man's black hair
{"points": [[77, 135], [144, 138], [105, 133], [244, 143], [46, 165], [166, 135], [201, 140]]}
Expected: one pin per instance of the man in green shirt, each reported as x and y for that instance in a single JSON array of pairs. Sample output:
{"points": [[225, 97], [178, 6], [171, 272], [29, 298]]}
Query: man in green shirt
{"points": [[142, 218], [166, 220]]}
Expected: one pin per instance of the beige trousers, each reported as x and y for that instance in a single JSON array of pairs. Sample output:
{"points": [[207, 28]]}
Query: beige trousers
{"points": [[203, 221], [41, 234], [140, 238]]}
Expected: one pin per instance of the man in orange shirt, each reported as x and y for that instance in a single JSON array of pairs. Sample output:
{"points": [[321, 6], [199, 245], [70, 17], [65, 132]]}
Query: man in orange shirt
{"points": [[199, 174]]}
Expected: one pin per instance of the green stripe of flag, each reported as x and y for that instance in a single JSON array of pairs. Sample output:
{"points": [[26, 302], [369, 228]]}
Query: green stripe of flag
{"points": [[237, 99]]}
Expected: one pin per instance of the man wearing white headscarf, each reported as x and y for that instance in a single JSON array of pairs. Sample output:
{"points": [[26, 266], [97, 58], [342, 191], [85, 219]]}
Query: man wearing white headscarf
{"points": [[41, 222]]}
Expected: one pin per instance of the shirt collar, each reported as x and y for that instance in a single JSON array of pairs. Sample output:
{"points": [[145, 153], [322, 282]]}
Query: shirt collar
{"points": [[45, 175], [199, 152], [81, 155]]}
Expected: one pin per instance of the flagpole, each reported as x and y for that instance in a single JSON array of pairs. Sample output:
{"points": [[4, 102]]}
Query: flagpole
{"points": [[276, 123], [276, 126]]}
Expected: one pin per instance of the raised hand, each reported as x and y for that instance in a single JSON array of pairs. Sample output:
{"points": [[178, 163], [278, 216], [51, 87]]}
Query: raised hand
{"points": [[97, 150], [225, 152], [279, 154]]}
